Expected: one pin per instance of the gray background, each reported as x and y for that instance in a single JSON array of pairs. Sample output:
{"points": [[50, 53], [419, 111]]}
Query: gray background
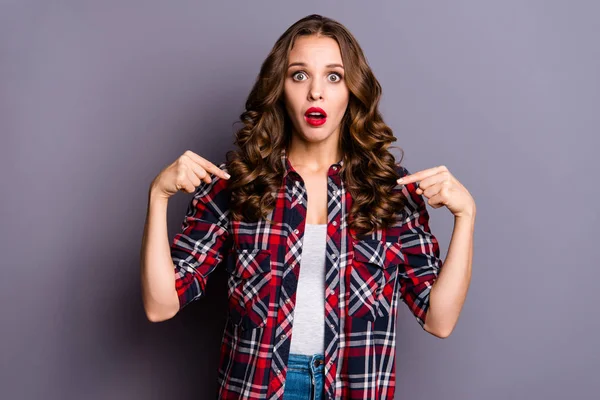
{"points": [[97, 97]]}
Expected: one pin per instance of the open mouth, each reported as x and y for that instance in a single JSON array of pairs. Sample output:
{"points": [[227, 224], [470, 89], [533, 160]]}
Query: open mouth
{"points": [[315, 116]]}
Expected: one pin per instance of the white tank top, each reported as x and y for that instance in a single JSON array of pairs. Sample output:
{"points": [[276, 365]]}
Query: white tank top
{"points": [[309, 312]]}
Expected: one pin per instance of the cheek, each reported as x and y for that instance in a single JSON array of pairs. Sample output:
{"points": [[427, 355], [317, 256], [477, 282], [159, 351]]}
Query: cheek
{"points": [[342, 99], [290, 97], [288, 103]]}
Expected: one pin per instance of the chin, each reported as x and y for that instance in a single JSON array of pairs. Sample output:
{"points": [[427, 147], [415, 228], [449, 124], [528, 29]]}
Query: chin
{"points": [[315, 135]]}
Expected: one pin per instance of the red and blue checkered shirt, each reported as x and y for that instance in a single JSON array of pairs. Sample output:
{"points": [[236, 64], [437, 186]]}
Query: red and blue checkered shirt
{"points": [[364, 280]]}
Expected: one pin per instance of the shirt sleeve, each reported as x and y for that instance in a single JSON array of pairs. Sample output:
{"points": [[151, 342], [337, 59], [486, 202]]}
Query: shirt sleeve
{"points": [[200, 245], [420, 249]]}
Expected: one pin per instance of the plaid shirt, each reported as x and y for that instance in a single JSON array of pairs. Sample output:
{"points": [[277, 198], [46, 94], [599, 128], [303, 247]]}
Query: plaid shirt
{"points": [[365, 279]]}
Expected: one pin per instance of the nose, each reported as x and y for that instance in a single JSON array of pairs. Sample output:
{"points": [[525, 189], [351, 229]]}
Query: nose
{"points": [[316, 91]]}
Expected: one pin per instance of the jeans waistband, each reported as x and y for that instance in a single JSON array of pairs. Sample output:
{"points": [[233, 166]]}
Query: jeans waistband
{"points": [[305, 362]]}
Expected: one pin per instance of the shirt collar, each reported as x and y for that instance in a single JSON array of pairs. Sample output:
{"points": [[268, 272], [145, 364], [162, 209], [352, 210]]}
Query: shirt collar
{"points": [[288, 168]]}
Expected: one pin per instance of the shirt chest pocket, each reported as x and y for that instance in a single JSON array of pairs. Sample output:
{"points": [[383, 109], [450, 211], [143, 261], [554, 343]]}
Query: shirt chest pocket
{"points": [[249, 288], [371, 278]]}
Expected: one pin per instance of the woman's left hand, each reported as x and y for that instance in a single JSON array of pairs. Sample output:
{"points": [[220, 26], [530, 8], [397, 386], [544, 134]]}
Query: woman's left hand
{"points": [[442, 189]]}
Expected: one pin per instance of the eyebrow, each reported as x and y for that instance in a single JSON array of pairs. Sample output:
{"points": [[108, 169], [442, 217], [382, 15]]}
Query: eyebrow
{"points": [[301, 64]]}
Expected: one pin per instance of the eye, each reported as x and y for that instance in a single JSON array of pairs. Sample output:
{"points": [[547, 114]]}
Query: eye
{"points": [[339, 77], [295, 74]]}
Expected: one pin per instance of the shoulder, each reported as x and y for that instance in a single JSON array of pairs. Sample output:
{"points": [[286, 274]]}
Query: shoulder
{"points": [[216, 190], [401, 170], [412, 200]]}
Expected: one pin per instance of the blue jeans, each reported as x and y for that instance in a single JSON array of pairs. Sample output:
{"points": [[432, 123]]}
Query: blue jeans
{"points": [[304, 379]]}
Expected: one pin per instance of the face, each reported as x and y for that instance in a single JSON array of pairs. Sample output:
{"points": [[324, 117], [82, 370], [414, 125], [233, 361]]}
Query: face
{"points": [[315, 78]]}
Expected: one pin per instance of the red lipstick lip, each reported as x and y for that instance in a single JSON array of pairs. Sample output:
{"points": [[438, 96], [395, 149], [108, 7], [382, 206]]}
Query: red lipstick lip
{"points": [[315, 109]]}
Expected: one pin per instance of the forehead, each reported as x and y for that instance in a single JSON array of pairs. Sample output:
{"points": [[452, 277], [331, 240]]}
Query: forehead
{"points": [[315, 51]]}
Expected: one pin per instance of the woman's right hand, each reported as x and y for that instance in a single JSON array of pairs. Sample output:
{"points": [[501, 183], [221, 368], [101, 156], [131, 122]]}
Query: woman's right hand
{"points": [[184, 174]]}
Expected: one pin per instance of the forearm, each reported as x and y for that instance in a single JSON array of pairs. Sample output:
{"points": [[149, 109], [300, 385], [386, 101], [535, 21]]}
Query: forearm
{"points": [[157, 271], [449, 291]]}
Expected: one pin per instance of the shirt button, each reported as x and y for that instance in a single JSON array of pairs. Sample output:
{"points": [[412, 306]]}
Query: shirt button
{"points": [[282, 337], [331, 326], [296, 231], [297, 183], [334, 223], [332, 292], [287, 301], [334, 256], [334, 168]]}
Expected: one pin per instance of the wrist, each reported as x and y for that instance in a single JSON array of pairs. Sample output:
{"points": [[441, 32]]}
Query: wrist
{"points": [[155, 195], [466, 216]]}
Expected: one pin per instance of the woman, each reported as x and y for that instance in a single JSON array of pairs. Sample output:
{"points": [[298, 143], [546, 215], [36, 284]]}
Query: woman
{"points": [[312, 131]]}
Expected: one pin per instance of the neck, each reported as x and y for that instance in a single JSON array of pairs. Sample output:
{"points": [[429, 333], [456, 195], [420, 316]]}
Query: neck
{"points": [[313, 156]]}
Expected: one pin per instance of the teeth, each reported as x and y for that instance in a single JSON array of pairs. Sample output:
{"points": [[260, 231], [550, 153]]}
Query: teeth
{"points": [[315, 114]]}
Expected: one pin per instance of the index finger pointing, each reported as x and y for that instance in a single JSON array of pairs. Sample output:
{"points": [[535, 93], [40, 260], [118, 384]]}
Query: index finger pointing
{"points": [[207, 165], [418, 176]]}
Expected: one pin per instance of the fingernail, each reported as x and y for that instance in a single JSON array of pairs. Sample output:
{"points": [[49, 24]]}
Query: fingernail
{"points": [[227, 175], [400, 180]]}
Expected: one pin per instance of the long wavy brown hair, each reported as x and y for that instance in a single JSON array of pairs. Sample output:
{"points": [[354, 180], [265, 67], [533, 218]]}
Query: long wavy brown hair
{"points": [[369, 170]]}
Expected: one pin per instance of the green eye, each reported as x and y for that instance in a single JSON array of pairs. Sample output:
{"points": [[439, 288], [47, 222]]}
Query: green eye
{"points": [[339, 77], [296, 74]]}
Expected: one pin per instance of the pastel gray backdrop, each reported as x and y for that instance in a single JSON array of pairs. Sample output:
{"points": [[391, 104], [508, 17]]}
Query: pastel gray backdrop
{"points": [[97, 97]]}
